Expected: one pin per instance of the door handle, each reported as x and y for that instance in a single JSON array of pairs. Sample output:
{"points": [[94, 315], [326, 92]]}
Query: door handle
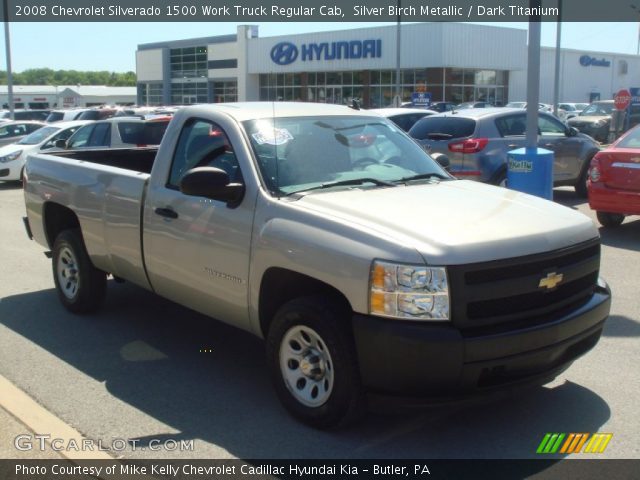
{"points": [[166, 212]]}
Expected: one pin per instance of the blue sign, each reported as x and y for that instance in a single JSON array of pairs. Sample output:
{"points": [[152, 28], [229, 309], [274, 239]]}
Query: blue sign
{"points": [[587, 61], [285, 53], [421, 99], [635, 95]]}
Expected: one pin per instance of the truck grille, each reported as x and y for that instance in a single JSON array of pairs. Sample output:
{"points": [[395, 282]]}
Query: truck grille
{"points": [[489, 294]]}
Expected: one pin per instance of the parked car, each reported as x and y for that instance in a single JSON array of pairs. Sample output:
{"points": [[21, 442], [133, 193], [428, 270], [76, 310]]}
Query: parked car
{"points": [[442, 106], [333, 236], [466, 105], [404, 117], [614, 180], [572, 109], [35, 115], [13, 156], [477, 142], [595, 120], [65, 115], [118, 132], [11, 132], [97, 114]]}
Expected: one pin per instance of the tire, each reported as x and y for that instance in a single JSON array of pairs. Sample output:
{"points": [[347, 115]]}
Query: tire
{"points": [[581, 184], [500, 178], [81, 286], [310, 346], [610, 219]]}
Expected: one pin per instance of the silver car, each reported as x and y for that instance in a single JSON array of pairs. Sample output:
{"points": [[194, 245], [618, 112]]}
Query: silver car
{"points": [[477, 142]]}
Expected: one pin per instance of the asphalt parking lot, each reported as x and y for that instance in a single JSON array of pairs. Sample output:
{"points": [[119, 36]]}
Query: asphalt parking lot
{"points": [[138, 370]]}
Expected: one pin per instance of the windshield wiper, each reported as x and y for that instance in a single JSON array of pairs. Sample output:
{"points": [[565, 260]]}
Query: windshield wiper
{"points": [[340, 183], [439, 136], [421, 176]]}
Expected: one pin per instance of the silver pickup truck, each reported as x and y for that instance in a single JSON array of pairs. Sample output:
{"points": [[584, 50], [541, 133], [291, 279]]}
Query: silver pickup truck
{"points": [[332, 235]]}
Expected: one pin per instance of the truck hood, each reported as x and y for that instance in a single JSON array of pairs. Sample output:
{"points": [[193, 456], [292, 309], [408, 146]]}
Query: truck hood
{"points": [[459, 221]]}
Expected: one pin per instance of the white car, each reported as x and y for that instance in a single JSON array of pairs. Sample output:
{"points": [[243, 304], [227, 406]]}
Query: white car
{"points": [[13, 156]]}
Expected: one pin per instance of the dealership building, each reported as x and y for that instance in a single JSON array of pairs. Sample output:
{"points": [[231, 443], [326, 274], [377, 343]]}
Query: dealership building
{"points": [[449, 61], [66, 96]]}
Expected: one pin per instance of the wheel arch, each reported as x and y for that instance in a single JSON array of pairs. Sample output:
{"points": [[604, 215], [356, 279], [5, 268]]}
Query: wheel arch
{"points": [[280, 285], [55, 219]]}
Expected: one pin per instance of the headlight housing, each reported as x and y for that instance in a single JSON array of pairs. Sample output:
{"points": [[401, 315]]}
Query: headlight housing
{"points": [[11, 157], [408, 292]]}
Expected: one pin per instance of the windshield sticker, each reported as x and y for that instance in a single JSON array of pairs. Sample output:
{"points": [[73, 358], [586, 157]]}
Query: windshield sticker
{"points": [[272, 136]]}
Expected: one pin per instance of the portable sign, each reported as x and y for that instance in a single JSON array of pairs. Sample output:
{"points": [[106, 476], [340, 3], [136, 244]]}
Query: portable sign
{"points": [[421, 99]]}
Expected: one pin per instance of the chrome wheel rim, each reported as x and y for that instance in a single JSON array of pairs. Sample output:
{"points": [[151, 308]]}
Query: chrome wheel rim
{"points": [[67, 271], [306, 366]]}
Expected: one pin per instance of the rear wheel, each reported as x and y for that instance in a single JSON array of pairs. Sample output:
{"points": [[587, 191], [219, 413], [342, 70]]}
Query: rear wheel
{"points": [[581, 184], [81, 286], [610, 219], [500, 179], [312, 360]]}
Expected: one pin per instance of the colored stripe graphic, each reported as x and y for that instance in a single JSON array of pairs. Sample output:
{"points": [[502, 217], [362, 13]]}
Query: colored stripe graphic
{"points": [[574, 442], [598, 443], [550, 443]]}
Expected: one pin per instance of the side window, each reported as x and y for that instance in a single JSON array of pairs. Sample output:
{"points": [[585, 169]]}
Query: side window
{"points": [[202, 144], [63, 135], [33, 127], [81, 137], [550, 127], [100, 136], [513, 125], [403, 121]]}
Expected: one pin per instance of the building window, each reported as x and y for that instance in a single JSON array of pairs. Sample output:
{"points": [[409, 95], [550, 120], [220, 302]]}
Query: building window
{"points": [[187, 93], [150, 94], [189, 62], [224, 92]]}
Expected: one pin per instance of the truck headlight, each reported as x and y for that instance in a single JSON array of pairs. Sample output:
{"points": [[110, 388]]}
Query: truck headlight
{"points": [[408, 292], [10, 157]]}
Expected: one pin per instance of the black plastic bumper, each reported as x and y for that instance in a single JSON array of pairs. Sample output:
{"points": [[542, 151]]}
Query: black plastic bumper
{"points": [[437, 360], [27, 227]]}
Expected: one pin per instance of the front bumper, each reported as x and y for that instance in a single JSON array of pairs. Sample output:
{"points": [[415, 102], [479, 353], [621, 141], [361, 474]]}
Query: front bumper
{"points": [[437, 360], [611, 200]]}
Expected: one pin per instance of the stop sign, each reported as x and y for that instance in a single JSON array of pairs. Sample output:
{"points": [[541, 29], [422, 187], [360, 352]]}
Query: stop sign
{"points": [[622, 99]]}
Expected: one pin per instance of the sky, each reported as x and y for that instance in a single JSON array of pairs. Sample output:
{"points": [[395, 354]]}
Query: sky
{"points": [[112, 46]]}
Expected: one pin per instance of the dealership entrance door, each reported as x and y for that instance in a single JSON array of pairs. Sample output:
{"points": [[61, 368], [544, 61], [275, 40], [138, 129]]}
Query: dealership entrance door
{"points": [[189, 99]]}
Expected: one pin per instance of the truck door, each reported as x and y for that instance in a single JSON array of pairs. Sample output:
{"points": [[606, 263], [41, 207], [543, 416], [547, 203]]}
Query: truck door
{"points": [[197, 249]]}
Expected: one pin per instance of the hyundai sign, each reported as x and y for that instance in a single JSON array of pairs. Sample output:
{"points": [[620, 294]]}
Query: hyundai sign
{"points": [[587, 61], [285, 53]]}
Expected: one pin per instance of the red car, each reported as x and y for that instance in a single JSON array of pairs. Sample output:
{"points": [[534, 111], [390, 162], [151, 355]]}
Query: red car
{"points": [[614, 180]]}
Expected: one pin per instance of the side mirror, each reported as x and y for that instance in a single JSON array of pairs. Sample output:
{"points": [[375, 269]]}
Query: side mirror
{"points": [[442, 159], [572, 132], [212, 183], [61, 143]]}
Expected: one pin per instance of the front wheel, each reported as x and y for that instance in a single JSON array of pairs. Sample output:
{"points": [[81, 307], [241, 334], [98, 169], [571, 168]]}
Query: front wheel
{"points": [[81, 286], [581, 185], [610, 219], [312, 360]]}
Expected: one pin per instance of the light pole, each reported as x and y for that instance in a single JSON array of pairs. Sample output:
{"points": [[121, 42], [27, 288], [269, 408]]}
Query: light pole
{"points": [[398, 98], [7, 45]]}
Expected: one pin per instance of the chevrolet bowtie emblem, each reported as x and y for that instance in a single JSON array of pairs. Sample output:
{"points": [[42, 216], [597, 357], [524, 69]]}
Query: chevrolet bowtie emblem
{"points": [[551, 280]]}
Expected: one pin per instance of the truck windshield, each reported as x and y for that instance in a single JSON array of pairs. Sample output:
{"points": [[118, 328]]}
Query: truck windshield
{"points": [[300, 153]]}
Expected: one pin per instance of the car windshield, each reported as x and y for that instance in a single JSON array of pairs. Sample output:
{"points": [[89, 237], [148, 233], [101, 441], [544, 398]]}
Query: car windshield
{"points": [[38, 136], [142, 133], [516, 105], [598, 109], [303, 153]]}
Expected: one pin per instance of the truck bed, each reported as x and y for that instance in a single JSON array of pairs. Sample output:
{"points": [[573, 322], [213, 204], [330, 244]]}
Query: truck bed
{"points": [[137, 159], [105, 189]]}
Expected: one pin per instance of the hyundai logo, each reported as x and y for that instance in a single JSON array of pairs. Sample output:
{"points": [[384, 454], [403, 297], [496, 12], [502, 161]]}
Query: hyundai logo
{"points": [[588, 61], [284, 53]]}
